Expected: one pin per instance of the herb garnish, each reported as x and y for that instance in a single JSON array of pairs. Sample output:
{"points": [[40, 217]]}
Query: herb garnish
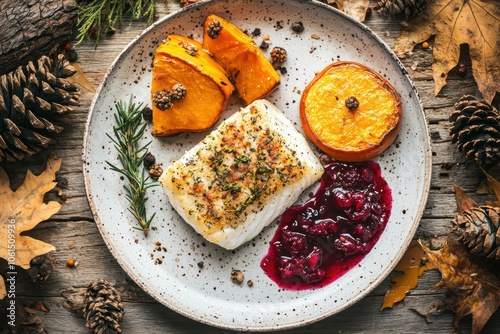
{"points": [[127, 133]]}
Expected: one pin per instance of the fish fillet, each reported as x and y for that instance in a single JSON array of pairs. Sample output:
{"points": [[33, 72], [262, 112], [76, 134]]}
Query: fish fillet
{"points": [[242, 176]]}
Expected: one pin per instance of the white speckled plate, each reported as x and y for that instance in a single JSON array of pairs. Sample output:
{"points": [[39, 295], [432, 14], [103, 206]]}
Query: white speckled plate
{"points": [[171, 273]]}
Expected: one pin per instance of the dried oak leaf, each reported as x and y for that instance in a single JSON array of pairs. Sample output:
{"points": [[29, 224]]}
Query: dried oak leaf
{"points": [[464, 202], [413, 264], [354, 8], [456, 22], [25, 208], [473, 289], [492, 181], [81, 78]]}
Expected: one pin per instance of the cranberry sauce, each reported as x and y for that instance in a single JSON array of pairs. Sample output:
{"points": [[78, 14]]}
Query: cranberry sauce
{"points": [[320, 241]]}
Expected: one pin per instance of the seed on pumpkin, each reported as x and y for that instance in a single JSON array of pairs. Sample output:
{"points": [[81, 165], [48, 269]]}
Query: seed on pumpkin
{"points": [[163, 99], [178, 92], [214, 29]]}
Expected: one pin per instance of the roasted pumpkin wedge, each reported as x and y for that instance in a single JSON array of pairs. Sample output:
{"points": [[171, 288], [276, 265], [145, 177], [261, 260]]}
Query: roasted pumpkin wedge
{"points": [[251, 72], [189, 88]]}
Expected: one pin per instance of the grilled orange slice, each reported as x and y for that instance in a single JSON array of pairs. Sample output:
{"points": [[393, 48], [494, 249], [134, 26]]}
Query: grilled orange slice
{"points": [[350, 112]]}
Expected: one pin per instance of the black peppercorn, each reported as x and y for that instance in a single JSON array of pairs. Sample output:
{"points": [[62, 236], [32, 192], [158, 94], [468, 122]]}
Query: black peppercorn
{"points": [[264, 45], [71, 55], [352, 103], [147, 114], [298, 26], [256, 32], [149, 160]]}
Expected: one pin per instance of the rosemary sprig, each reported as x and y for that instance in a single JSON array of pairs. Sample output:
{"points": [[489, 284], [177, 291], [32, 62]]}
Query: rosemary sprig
{"points": [[128, 131], [105, 15]]}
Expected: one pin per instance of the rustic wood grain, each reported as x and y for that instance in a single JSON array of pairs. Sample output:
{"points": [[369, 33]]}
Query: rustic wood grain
{"points": [[32, 28], [74, 233]]}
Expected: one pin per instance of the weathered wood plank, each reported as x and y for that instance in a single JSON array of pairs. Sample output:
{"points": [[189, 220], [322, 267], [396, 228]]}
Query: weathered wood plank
{"points": [[74, 224]]}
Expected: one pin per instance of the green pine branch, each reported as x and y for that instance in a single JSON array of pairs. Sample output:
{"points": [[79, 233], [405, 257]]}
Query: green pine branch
{"points": [[101, 16]]}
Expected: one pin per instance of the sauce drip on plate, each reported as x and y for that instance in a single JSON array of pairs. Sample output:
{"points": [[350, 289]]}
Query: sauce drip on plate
{"points": [[321, 240]]}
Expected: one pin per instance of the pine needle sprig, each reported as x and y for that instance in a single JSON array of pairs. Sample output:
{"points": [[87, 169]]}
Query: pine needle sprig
{"points": [[128, 132], [103, 16]]}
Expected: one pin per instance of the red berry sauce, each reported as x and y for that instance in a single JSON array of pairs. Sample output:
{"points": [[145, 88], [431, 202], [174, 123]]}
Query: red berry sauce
{"points": [[321, 240]]}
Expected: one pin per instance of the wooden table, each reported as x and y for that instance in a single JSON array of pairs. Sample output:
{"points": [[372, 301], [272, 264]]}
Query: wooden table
{"points": [[74, 232]]}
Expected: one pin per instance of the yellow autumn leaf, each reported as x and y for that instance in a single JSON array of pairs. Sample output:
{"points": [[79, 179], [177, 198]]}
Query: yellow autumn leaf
{"points": [[412, 265], [22, 210], [455, 22]]}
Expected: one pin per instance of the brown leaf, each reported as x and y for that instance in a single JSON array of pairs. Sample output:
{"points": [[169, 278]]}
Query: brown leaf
{"points": [[413, 264], [493, 175], [473, 289], [464, 202], [23, 209], [354, 8], [456, 22], [81, 79], [484, 188], [492, 203]]}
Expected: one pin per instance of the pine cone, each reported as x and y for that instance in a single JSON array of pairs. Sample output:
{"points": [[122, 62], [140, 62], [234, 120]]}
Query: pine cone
{"points": [[478, 230], [32, 99], [103, 308], [476, 130], [401, 8]]}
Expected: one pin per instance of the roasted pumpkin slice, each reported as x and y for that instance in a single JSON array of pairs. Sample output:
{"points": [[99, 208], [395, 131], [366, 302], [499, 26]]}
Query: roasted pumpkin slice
{"points": [[189, 88], [350, 112], [251, 72]]}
